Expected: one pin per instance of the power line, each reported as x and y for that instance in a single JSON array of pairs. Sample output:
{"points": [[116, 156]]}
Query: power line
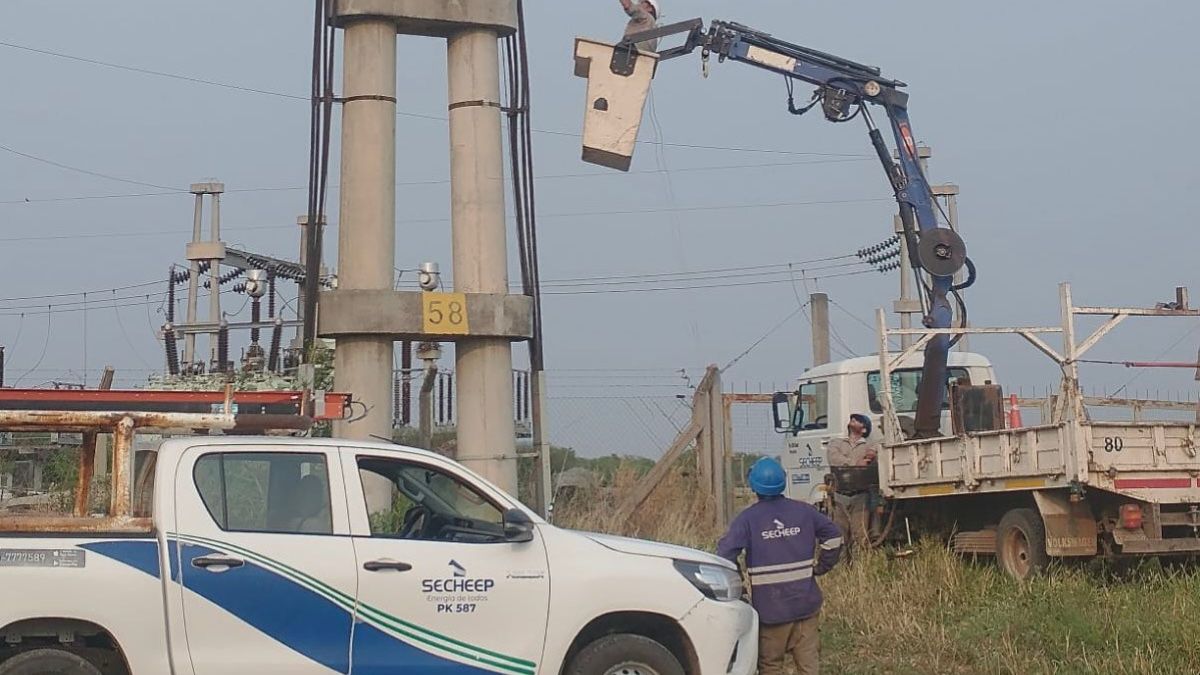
{"points": [[45, 346], [692, 277], [854, 316], [700, 286], [670, 209], [88, 172], [766, 335], [402, 113], [421, 183], [411, 221], [79, 293], [1160, 355], [716, 270]]}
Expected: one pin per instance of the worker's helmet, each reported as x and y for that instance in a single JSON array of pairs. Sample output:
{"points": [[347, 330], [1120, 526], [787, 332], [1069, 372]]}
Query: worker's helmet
{"points": [[767, 477], [654, 5], [865, 421]]}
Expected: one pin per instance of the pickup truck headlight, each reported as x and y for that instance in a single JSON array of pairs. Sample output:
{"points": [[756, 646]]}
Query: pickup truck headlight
{"points": [[714, 581]]}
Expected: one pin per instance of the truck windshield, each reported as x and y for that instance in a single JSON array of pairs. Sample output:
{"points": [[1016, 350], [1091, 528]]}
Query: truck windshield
{"points": [[905, 384]]}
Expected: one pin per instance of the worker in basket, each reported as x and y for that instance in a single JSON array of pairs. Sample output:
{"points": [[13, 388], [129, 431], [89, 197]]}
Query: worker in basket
{"points": [[787, 544], [643, 16], [854, 480]]}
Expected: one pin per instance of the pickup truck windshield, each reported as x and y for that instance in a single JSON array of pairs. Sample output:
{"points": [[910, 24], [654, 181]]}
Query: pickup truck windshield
{"points": [[431, 505]]}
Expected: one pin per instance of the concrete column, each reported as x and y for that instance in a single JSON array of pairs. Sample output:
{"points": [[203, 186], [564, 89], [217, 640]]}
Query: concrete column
{"points": [[189, 340], [483, 365], [214, 282], [820, 328], [367, 228]]}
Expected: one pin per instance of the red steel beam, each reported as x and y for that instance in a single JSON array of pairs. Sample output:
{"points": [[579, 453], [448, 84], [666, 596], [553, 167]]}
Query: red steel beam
{"points": [[117, 399]]}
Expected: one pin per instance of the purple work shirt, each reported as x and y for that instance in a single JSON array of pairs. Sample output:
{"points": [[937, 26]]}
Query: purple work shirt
{"points": [[787, 544]]}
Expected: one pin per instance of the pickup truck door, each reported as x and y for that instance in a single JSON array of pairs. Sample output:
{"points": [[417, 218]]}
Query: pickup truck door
{"points": [[439, 589], [261, 551]]}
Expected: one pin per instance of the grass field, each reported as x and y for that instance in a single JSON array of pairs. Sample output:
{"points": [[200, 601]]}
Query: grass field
{"points": [[933, 612]]}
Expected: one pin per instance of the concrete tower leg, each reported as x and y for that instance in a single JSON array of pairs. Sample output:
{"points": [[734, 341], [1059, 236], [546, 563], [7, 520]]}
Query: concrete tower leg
{"points": [[486, 434], [367, 225]]}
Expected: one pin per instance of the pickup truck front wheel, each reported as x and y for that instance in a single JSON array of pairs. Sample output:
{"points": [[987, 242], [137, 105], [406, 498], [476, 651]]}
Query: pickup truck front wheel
{"points": [[47, 662], [623, 654]]}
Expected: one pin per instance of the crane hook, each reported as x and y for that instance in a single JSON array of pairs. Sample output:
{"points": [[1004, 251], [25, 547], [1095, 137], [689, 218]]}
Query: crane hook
{"points": [[704, 66]]}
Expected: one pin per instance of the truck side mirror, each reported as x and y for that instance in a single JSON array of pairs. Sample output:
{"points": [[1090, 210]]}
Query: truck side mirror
{"points": [[785, 417], [518, 528]]}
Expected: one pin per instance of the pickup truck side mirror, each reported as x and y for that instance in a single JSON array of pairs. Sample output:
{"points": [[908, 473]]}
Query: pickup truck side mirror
{"points": [[518, 528]]}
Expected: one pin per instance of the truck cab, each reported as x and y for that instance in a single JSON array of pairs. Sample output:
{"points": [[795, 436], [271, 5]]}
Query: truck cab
{"points": [[826, 395]]}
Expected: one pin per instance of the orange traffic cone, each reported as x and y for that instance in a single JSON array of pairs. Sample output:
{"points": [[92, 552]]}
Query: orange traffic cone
{"points": [[1014, 412]]}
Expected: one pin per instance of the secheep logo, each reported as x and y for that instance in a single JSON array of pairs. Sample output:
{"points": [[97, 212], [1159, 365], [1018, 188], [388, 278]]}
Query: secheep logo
{"points": [[458, 582], [781, 531]]}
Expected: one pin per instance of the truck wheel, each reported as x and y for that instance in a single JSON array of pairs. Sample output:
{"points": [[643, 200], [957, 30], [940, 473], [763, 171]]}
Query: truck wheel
{"points": [[47, 662], [624, 654], [1021, 544]]}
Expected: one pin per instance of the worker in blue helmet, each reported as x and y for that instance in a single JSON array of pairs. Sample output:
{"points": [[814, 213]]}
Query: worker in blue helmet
{"points": [[787, 545], [852, 462]]}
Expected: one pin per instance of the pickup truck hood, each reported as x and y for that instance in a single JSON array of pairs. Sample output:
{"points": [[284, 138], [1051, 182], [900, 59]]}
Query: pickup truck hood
{"points": [[655, 549]]}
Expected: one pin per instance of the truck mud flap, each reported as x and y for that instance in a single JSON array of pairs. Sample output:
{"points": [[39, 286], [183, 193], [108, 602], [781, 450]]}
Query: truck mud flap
{"points": [[1070, 527]]}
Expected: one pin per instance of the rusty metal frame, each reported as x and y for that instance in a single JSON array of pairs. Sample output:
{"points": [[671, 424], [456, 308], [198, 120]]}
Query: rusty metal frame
{"points": [[120, 517], [100, 400], [1068, 361]]}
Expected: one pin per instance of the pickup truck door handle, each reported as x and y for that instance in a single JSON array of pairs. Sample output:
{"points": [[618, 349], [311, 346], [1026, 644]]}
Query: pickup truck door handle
{"points": [[386, 564], [205, 562]]}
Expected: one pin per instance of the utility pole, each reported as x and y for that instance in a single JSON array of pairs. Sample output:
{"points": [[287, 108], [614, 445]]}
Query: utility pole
{"points": [[200, 251], [820, 328], [486, 434], [365, 314]]}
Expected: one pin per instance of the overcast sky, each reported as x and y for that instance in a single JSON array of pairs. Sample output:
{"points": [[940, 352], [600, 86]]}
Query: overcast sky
{"points": [[1065, 124]]}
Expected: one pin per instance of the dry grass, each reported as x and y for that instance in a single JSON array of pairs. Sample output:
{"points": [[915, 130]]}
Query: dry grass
{"points": [[934, 612], [676, 512]]}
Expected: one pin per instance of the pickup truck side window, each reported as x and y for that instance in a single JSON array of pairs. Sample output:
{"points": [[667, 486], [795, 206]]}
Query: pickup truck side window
{"points": [[431, 505], [905, 384], [266, 492]]}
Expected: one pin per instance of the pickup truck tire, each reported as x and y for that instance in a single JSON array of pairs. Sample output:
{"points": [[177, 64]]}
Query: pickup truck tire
{"points": [[1021, 544], [48, 662], [624, 654]]}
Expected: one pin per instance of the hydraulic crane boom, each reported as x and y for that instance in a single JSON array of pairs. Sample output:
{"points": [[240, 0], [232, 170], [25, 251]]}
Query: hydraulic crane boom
{"points": [[845, 90]]}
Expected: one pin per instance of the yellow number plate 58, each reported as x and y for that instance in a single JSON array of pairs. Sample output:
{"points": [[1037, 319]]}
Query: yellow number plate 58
{"points": [[444, 313]]}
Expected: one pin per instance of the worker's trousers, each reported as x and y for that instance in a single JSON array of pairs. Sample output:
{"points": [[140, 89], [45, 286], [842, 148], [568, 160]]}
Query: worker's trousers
{"points": [[851, 514], [800, 640]]}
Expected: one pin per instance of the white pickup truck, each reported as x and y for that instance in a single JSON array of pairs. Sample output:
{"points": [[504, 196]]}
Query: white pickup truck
{"points": [[236, 555]]}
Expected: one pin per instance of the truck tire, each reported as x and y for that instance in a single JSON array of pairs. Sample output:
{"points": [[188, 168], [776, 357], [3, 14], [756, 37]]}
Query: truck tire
{"points": [[1021, 544], [48, 662], [624, 654]]}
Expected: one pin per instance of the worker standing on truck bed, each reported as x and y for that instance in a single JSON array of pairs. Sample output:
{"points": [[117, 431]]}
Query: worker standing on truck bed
{"points": [[851, 495], [643, 16], [787, 544]]}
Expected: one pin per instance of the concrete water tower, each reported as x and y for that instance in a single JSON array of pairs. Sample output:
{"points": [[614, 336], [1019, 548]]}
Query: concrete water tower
{"points": [[364, 314]]}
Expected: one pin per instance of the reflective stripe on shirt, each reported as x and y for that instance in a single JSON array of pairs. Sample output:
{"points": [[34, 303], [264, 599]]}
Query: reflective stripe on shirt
{"points": [[781, 577], [830, 544], [777, 568]]}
